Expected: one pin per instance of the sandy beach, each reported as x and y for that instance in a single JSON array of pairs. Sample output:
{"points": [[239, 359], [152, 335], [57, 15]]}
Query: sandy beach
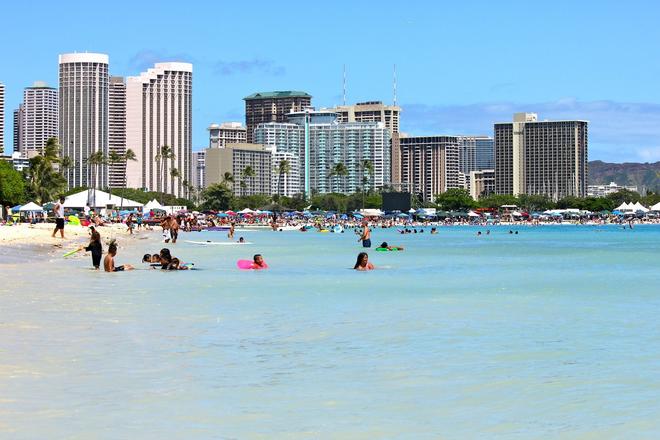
{"points": [[21, 241]]}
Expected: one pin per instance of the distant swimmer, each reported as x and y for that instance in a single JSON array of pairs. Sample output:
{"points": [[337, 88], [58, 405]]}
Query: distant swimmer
{"points": [[109, 261], [384, 245], [478, 233], [365, 237], [240, 240], [434, 230], [363, 263]]}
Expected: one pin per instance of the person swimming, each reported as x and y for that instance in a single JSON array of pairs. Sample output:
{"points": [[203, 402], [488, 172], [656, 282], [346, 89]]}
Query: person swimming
{"points": [[363, 263], [176, 264], [258, 262], [165, 258], [384, 245], [240, 240]]}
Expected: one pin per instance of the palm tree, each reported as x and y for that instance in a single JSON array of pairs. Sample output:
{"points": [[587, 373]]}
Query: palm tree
{"points": [[248, 172], [44, 183], [367, 170], [95, 160], [338, 170], [114, 158], [228, 178], [128, 155], [282, 168], [166, 152], [175, 174]]}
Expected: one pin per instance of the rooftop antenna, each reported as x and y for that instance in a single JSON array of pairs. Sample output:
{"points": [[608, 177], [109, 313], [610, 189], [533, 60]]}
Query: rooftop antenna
{"points": [[344, 85], [394, 84]]}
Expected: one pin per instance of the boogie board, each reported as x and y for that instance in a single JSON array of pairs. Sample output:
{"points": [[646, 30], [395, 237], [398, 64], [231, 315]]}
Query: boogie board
{"points": [[224, 243]]}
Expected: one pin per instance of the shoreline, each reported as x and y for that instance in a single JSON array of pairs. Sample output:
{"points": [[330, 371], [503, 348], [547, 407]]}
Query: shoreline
{"points": [[25, 242]]}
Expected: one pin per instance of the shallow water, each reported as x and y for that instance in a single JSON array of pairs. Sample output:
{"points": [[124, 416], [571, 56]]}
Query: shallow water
{"points": [[551, 333]]}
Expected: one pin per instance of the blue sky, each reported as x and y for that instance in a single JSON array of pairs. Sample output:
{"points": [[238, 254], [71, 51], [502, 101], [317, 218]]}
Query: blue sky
{"points": [[461, 65]]}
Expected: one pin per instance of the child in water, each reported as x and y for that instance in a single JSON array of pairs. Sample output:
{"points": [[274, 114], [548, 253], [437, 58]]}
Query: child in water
{"points": [[95, 248], [109, 261], [363, 263]]}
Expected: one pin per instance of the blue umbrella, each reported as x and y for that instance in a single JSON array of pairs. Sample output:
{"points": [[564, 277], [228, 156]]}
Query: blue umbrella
{"points": [[222, 214], [344, 217]]}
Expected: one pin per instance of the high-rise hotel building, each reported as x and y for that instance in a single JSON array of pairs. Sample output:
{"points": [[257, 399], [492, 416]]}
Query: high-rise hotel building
{"points": [[158, 114], [83, 115], [429, 165], [117, 131], [376, 111], [266, 107], [541, 157], [2, 118], [226, 133], [37, 118]]}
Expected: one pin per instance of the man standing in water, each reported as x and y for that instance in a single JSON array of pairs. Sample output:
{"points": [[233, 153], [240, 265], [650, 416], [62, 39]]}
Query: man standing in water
{"points": [[59, 217], [365, 238]]}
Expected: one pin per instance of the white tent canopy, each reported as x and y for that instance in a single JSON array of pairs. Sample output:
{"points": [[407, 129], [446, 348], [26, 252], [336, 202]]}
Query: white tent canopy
{"points": [[623, 207], [473, 214], [100, 200], [656, 207], [31, 207], [639, 207], [154, 204], [246, 211]]}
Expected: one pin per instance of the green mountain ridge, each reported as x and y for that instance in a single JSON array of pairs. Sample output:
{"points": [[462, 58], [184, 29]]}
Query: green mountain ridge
{"points": [[646, 176]]}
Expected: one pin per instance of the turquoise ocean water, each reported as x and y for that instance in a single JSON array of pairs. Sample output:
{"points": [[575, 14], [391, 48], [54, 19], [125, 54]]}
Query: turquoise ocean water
{"points": [[553, 333]]}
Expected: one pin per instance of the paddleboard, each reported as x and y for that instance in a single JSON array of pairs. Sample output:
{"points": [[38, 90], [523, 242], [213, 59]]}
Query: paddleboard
{"points": [[218, 243]]}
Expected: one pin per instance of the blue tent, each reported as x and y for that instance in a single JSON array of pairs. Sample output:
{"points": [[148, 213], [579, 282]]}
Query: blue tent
{"points": [[344, 217], [356, 215], [16, 208]]}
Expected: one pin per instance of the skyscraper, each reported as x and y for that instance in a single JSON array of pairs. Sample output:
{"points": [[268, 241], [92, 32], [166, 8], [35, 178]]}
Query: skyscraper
{"points": [[272, 107], [18, 127], [541, 157], [226, 133], [376, 111], [429, 165], [117, 131], [2, 118], [476, 153], [159, 115], [83, 103], [198, 169], [39, 119]]}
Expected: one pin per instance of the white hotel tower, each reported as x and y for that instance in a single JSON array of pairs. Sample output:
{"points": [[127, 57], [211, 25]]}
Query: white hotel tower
{"points": [[84, 115], [159, 113]]}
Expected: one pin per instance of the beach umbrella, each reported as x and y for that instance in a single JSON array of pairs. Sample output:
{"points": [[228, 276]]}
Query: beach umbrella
{"points": [[344, 217], [222, 214], [230, 212]]}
